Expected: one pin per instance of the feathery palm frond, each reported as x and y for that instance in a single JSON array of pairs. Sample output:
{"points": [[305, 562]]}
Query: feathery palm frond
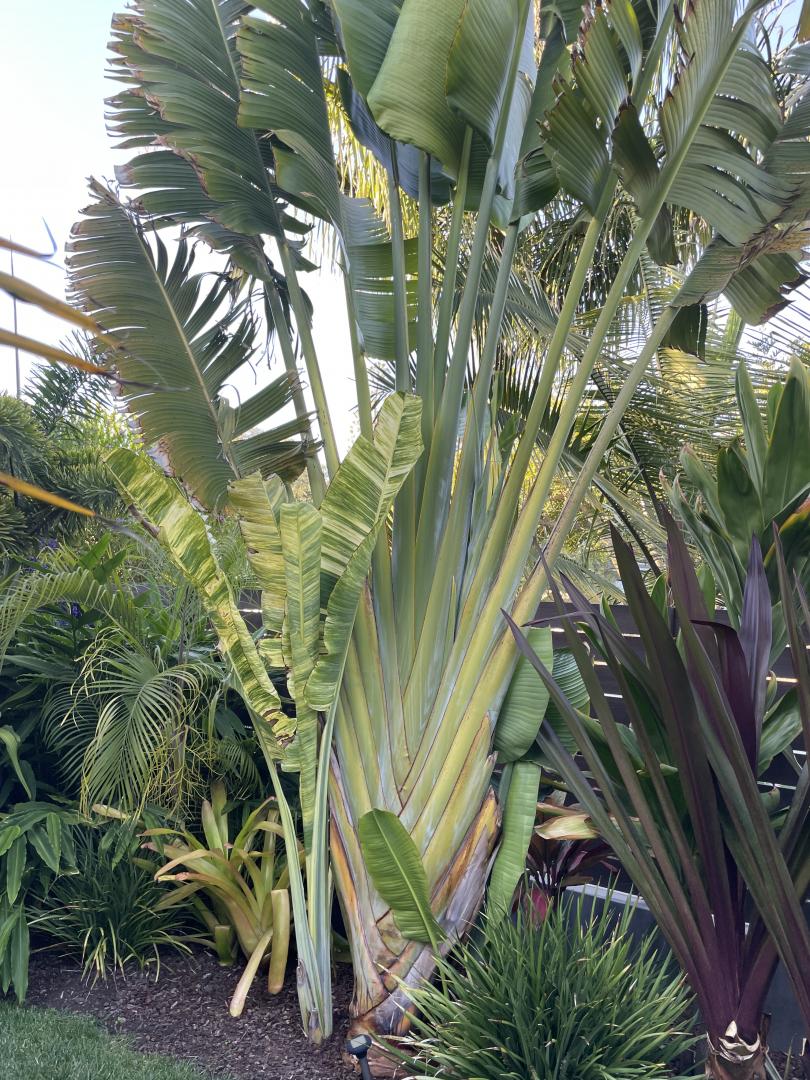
{"points": [[184, 344]]}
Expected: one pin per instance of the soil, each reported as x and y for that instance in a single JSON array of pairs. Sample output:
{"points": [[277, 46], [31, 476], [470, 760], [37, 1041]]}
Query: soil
{"points": [[184, 1014]]}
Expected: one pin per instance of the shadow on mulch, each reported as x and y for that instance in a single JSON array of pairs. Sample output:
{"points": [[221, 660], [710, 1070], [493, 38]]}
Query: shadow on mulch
{"points": [[185, 1014]]}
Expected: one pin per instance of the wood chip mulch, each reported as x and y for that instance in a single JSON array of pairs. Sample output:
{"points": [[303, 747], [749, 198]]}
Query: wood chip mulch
{"points": [[184, 1014]]}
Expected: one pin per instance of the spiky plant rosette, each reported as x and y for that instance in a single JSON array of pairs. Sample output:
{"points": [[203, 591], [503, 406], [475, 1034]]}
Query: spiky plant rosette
{"points": [[575, 995]]}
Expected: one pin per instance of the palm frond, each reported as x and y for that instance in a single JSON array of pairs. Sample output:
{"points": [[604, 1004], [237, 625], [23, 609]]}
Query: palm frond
{"points": [[184, 343]]}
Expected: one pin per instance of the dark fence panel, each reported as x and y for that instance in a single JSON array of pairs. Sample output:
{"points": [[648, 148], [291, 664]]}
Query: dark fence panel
{"points": [[780, 773]]}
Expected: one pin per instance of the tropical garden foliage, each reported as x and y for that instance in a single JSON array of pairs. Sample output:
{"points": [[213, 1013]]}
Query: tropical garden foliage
{"points": [[561, 217]]}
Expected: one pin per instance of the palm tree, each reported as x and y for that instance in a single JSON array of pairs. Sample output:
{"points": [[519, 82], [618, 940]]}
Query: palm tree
{"points": [[226, 104]]}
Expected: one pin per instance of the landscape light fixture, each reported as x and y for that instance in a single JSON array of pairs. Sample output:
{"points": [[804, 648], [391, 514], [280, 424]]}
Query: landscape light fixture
{"points": [[359, 1047]]}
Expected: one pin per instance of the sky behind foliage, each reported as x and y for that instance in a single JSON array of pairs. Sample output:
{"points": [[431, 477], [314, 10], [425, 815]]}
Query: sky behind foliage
{"points": [[52, 88]]}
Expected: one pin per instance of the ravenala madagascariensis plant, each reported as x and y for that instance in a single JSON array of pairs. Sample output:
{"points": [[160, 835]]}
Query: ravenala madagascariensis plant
{"points": [[224, 102]]}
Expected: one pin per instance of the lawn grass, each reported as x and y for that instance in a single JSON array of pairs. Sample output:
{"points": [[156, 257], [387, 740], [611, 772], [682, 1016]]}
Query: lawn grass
{"points": [[42, 1044]]}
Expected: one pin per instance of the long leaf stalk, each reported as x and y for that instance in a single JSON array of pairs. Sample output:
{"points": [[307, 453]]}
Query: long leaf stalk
{"points": [[310, 359], [425, 374], [317, 484], [444, 321], [480, 619]]}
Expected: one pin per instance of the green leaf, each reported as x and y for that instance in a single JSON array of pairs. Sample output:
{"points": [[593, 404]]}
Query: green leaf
{"points": [[300, 527], [519, 816], [568, 677], [53, 829], [371, 272], [787, 462], [479, 72], [577, 149], [526, 699], [780, 729], [366, 27], [181, 65], [41, 842], [20, 950], [282, 92], [15, 865], [354, 509], [393, 863], [408, 97], [8, 834], [11, 741], [756, 438], [256, 504], [639, 172], [183, 533], [738, 498]]}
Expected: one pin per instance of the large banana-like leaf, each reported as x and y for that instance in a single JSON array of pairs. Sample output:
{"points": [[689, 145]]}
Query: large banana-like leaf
{"points": [[184, 345], [283, 93], [356, 505], [393, 862], [301, 528], [183, 534], [256, 503], [525, 703], [520, 812], [742, 194], [447, 66]]}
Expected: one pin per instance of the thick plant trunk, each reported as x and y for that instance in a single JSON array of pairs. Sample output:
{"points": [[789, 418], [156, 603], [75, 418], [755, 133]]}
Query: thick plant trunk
{"points": [[385, 963], [730, 1057]]}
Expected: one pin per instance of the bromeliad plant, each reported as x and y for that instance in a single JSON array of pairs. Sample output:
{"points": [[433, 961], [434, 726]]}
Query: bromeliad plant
{"points": [[723, 868], [226, 105], [244, 881]]}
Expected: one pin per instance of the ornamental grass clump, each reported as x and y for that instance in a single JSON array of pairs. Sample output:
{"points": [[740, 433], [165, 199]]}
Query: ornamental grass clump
{"points": [[571, 996]]}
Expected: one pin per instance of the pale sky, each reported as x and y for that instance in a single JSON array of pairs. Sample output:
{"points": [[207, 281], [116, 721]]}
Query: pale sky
{"points": [[52, 135]]}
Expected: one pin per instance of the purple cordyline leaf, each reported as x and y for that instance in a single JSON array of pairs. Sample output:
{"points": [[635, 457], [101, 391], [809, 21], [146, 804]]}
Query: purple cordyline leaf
{"points": [[756, 630], [684, 583], [640, 847], [734, 676]]}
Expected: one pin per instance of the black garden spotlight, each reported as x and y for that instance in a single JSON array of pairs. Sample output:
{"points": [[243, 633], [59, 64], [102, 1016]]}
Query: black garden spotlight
{"points": [[359, 1047]]}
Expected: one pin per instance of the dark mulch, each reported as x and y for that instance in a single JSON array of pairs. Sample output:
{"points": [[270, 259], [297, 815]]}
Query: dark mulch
{"points": [[185, 1014], [691, 1063]]}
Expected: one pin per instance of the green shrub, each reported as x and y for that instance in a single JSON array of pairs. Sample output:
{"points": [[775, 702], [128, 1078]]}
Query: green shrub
{"points": [[108, 912], [572, 997]]}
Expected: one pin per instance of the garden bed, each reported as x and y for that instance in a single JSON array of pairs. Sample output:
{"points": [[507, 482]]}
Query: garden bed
{"points": [[185, 1014]]}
